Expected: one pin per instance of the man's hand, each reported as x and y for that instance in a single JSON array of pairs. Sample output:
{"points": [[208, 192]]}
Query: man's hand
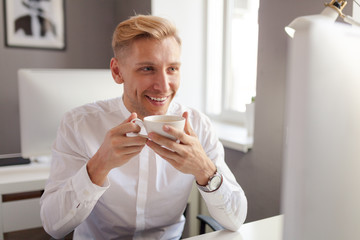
{"points": [[188, 156], [116, 150]]}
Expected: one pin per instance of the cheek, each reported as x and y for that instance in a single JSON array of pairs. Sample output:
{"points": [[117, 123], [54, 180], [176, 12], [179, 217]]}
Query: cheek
{"points": [[175, 84], [133, 85], [130, 89], [142, 88]]}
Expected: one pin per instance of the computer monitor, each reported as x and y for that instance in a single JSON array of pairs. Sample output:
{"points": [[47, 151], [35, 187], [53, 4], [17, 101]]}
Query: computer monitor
{"points": [[46, 94], [321, 193]]}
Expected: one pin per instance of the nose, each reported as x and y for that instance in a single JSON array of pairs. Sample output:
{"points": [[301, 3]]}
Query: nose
{"points": [[162, 81]]}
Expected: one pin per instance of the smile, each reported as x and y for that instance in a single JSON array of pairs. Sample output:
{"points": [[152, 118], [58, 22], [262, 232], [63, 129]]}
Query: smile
{"points": [[157, 99]]}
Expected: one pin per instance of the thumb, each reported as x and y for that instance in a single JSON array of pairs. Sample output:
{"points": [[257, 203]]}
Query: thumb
{"points": [[188, 130], [132, 116]]}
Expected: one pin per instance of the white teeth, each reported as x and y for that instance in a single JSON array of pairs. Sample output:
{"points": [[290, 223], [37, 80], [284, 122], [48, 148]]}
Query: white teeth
{"points": [[158, 99]]}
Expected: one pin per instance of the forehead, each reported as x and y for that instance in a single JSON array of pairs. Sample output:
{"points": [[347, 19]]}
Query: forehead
{"points": [[167, 49]]}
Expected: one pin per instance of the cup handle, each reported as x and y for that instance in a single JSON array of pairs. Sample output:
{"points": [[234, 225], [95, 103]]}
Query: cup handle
{"points": [[140, 123]]}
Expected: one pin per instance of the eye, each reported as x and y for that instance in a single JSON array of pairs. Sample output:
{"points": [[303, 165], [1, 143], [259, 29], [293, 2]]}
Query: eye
{"points": [[147, 69], [173, 69]]}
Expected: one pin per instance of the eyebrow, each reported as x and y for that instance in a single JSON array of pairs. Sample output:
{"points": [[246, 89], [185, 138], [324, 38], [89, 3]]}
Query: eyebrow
{"points": [[144, 63]]}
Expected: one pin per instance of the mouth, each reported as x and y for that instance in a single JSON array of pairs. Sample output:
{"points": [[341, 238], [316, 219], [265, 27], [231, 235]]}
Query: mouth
{"points": [[157, 100]]}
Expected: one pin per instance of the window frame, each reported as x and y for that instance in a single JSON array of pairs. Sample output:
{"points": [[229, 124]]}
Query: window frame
{"points": [[220, 68]]}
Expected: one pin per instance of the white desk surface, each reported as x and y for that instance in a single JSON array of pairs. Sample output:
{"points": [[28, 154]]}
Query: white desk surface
{"points": [[22, 178], [269, 229]]}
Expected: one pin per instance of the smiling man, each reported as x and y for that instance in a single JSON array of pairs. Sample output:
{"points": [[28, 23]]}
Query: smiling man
{"points": [[150, 72], [105, 184]]}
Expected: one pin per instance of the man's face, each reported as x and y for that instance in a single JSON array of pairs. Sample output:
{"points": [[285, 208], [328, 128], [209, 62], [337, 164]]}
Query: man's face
{"points": [[150, 72]]}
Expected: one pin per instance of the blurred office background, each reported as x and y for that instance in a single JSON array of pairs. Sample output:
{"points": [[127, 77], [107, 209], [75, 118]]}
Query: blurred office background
{"points": [[89, 27]]}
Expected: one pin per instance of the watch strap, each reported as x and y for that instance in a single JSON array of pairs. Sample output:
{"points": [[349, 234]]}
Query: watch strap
{"points": [[207, 188]]}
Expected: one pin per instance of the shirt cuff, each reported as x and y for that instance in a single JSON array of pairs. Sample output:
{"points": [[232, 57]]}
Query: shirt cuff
{"points": [[86, 190], [219, 196]]}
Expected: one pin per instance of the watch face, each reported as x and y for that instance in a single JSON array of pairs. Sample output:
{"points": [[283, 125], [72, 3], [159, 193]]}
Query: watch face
{"points": [[215, 182]]}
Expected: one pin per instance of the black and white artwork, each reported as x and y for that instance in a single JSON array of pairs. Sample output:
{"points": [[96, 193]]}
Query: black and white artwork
{"points": [[34, 24]]}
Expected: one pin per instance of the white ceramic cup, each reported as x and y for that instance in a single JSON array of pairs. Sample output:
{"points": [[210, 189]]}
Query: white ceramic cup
{"points": [[155, 123]]}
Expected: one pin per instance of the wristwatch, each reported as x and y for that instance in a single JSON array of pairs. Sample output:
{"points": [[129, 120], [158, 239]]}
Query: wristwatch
{"points": [[213, 184]]}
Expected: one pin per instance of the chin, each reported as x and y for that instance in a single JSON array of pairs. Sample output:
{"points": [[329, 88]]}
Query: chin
{"points": [[158, 113], [162, 111]]}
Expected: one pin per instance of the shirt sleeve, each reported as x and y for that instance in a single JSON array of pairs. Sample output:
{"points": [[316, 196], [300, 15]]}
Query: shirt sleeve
{"points": [[69, 195], [228, 204]]}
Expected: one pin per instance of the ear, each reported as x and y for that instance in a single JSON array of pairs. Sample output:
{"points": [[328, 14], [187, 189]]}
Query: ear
{"points": [[115, 71]]}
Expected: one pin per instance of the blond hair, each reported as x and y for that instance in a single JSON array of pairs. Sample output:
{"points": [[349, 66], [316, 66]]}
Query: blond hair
{"points": [[141, 26]]}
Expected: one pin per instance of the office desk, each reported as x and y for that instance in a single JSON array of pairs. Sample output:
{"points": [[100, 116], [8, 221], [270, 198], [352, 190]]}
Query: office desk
{"points": [[24, 214], [265, 229], [21, 214]]}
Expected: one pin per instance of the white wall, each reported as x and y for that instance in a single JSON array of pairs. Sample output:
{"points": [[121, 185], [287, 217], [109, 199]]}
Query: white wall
{"points": [[88, 45], [189, 17]]}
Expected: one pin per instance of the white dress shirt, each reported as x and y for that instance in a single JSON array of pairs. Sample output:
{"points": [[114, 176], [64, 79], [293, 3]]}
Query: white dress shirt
{"points": [[143, 199]]}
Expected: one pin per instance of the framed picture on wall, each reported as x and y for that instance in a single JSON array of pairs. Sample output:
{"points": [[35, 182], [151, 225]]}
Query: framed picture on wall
{"points": [[35, 24]]}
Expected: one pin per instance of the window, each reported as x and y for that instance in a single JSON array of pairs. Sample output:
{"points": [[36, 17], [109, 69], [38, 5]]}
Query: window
{"points": [[232, 40]]}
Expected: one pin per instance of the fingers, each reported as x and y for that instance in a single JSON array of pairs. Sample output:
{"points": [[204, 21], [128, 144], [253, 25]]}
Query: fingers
{"points": [[163, 152], [116, 149], [188, 130], [118, 141], [131, 127], [181, 135], [186, 155], [129, 150], [165, 147], [126, 126], [131, 117], [178, 134]]}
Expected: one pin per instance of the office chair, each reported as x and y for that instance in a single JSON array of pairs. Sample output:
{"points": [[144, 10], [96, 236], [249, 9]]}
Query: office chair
{"points": [[207, 220]]}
